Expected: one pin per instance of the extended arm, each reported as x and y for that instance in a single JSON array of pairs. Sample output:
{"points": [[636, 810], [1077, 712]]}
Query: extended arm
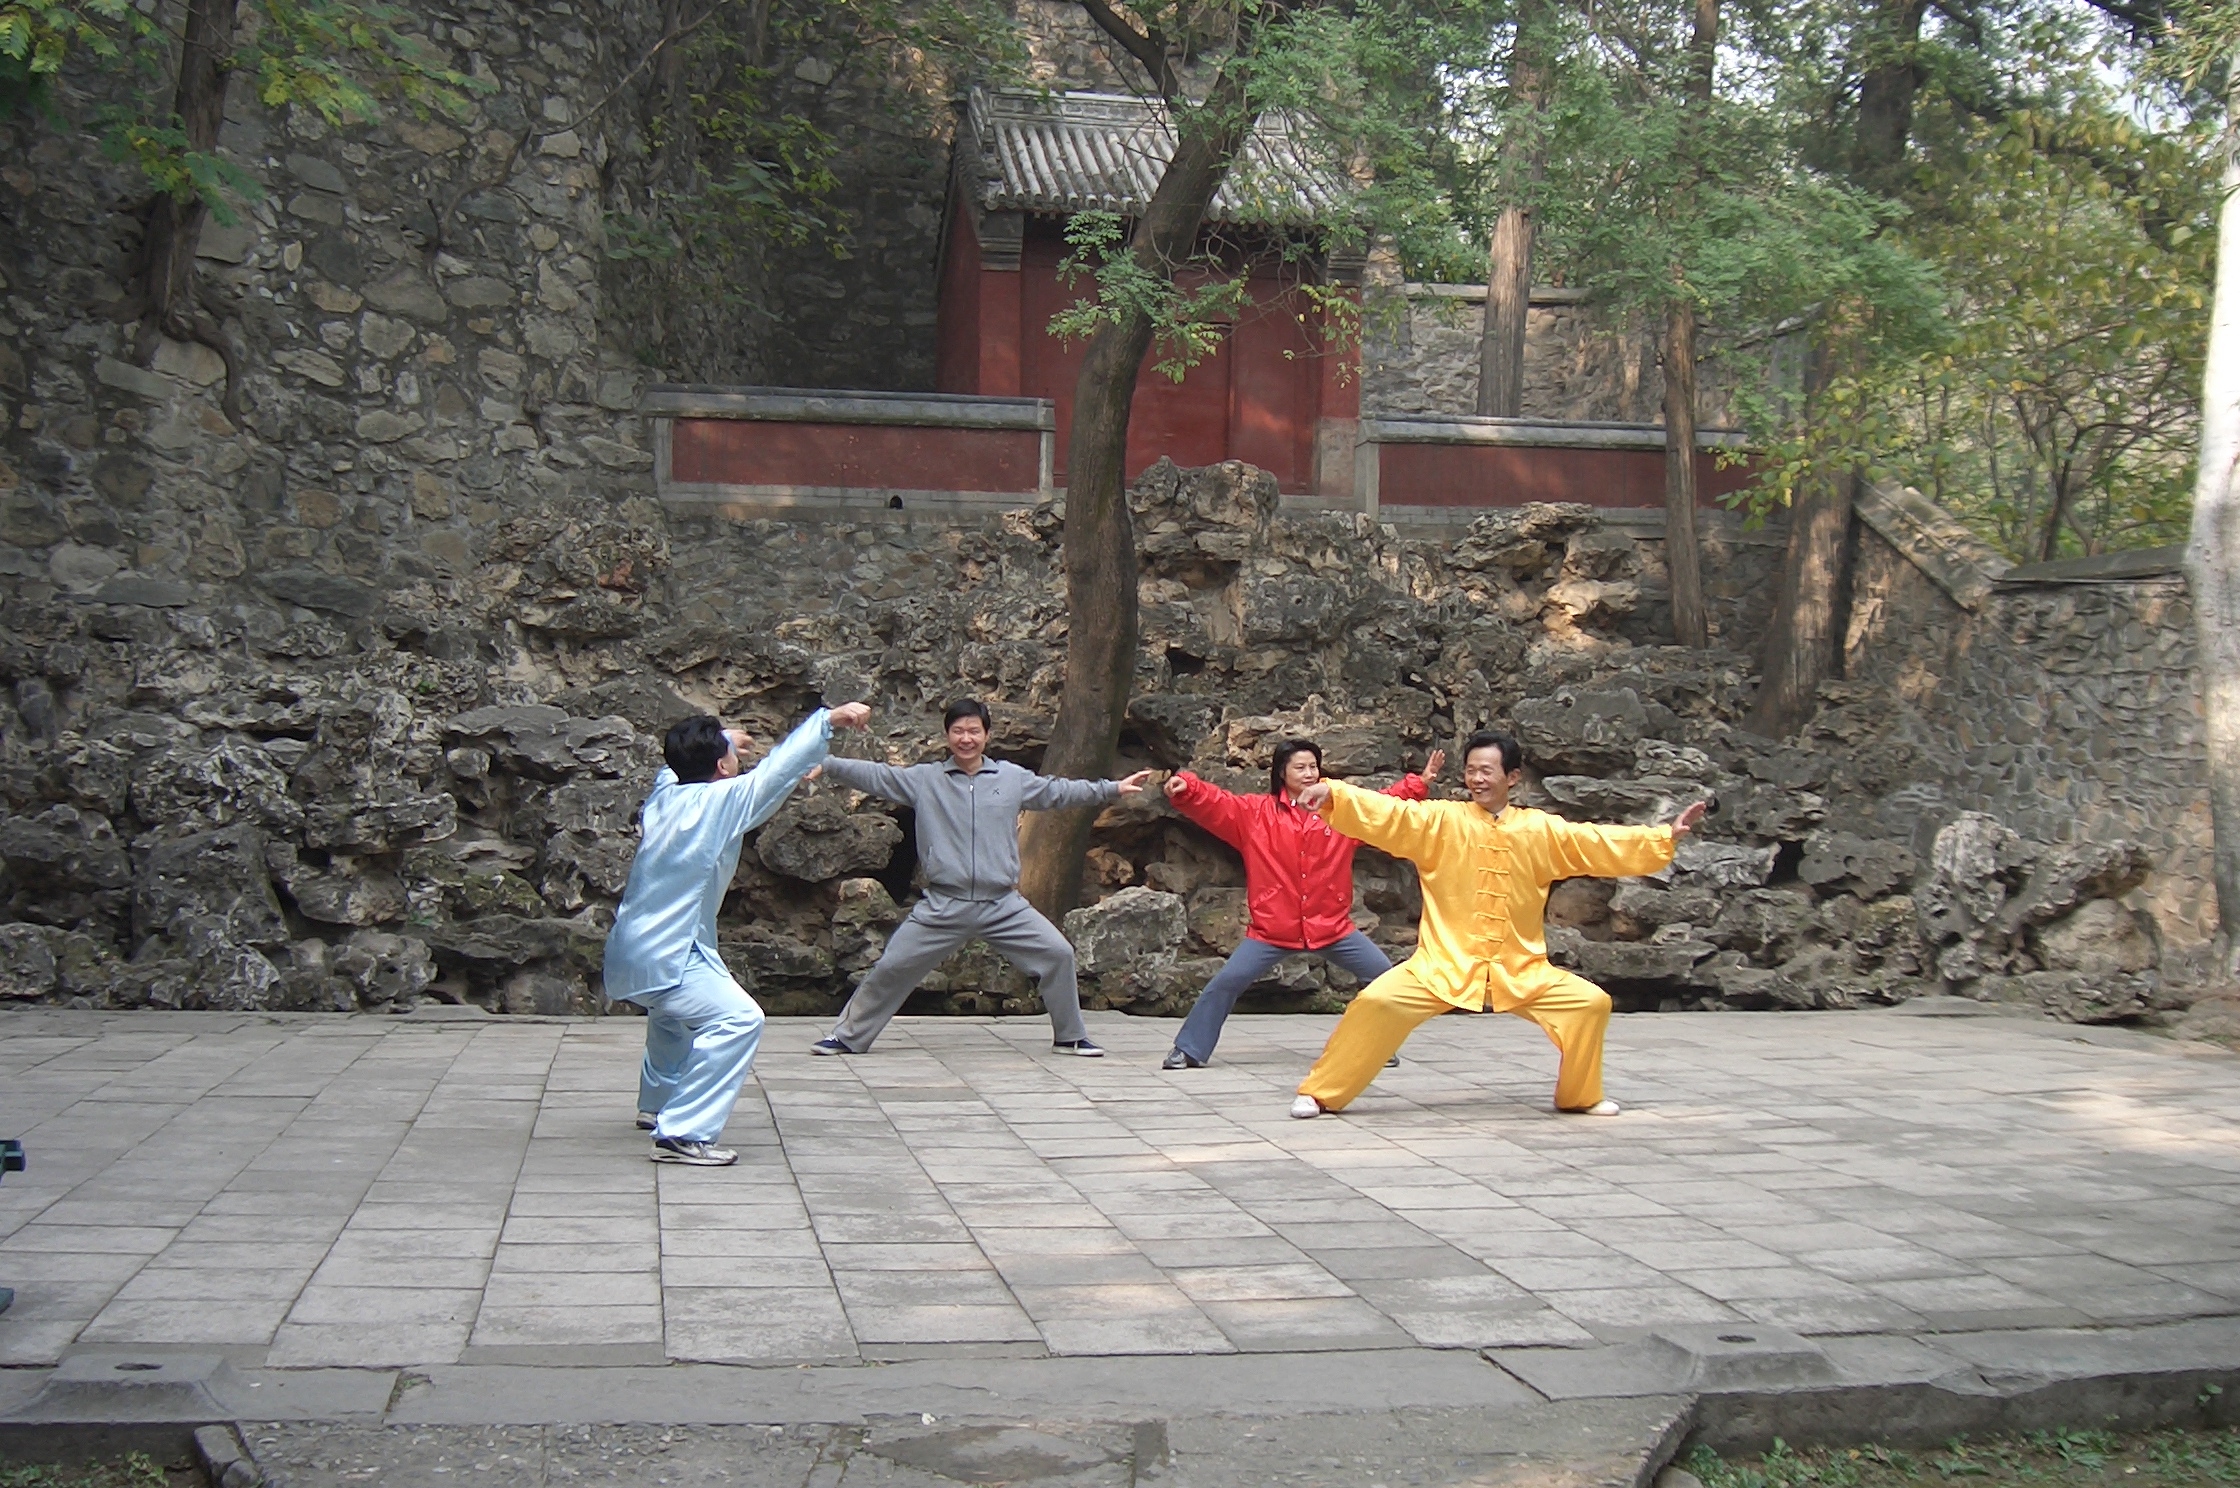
{"points": [[1218, 811], [1403, 828], [1056, 793], [1585, 850], [752, 797], [873, 779]]}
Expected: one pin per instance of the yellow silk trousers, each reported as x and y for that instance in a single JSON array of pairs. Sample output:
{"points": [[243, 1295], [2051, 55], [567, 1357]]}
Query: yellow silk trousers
{"points": [[1571, 1010]]}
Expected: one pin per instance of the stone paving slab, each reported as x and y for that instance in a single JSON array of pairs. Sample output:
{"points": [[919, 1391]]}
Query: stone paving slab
{"points": [[302, 1191], [1547, 1446]]}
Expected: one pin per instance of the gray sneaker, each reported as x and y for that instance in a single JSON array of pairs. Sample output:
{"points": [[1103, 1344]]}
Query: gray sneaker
{"points": [[692, 1154], [648, 1120]]}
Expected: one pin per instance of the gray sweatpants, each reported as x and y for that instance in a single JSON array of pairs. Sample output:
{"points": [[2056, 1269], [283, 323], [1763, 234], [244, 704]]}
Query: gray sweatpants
{"points": [[935, 930]]}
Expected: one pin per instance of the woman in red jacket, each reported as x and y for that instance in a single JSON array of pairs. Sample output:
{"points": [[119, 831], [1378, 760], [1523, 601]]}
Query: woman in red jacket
{"points": [[1298, 877]]}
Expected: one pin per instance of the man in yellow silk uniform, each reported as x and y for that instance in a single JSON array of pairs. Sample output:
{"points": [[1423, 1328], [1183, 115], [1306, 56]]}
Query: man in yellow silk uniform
{"points": [[1485, 868]]}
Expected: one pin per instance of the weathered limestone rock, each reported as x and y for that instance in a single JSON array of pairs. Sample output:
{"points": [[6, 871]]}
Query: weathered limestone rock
{"points": [[1769, 925], [27, 965], [1723, 865], [1644, 800], [541, 742], [1640, 907], [2014, 921], [1587, 731], [185, 787], [1134, 927], [1621, 964], [1869, 869], [216, 881], [2082, 997], [865, 917], [382, 968], [813, 838], [2102, 938]]}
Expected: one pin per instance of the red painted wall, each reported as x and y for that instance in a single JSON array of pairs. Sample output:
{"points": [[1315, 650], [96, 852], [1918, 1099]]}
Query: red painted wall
{"points": [[956, 357], [1511, 475], [1257, 397], [743, 452]]}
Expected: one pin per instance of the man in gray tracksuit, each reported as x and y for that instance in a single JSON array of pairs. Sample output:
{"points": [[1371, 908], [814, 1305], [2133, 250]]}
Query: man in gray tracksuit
{"points": [[968, 844]]}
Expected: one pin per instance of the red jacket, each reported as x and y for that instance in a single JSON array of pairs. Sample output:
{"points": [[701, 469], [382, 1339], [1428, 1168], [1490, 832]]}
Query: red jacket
{"points": [[1298, 874]]}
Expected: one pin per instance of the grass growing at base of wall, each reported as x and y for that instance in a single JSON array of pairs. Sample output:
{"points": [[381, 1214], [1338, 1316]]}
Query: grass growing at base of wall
{"points": [[2054, 1459], [131, 1471]]}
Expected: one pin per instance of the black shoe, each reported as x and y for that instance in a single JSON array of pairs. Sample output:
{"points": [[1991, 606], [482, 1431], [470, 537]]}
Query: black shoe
{"points": [[1393, 1062], [692, 1154], [829, 1046], [1179, 1060], [1080, 1046]]}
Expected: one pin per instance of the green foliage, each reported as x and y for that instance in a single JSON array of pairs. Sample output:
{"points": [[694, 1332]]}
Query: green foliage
{"points": [[1188, 307], [735, 172], [2071, 1457], [2057, 408], [39, 37], [131, 1471], [339, 58], [1352, 85]]}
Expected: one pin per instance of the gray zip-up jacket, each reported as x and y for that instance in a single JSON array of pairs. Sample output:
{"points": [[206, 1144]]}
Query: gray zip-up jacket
{"points": [[968, 825]]}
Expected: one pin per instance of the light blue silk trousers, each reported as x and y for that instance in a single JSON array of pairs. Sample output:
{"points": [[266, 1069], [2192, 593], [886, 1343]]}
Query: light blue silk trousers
{"points": [[701, 1037]]}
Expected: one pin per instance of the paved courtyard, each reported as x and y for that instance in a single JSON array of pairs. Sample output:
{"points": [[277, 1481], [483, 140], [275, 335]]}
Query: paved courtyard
{"points": [[416, 1191]]}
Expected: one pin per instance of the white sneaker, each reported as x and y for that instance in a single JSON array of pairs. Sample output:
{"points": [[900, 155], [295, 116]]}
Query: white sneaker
{"points": [[1599, 1108], [1305, 1108]]}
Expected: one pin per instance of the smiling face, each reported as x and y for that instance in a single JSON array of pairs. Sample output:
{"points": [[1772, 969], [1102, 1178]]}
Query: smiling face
{"points": [[968, 741], [1301, 771], [1488, 783]]}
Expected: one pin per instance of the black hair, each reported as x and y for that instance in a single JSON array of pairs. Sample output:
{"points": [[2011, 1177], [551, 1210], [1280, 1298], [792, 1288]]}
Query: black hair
{"points": [[1512, 753], [1281, 761], [695, 746], [967, 708]]}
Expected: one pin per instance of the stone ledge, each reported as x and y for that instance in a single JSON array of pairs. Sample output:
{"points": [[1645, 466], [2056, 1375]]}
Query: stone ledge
{"points": [[817, 406], [1933, 540], [2101, 568], [1532, 433]]}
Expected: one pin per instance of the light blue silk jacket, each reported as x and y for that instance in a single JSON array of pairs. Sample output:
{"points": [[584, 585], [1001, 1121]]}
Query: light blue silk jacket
{"points": [[688, 848]]}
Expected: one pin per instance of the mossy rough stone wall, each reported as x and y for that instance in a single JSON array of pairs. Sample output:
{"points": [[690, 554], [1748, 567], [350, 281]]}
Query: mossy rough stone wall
{"points": [[2071, 712], [352, 704]]}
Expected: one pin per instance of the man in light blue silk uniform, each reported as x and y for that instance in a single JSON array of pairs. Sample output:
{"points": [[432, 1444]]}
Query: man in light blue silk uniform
{"points": [[702, 1028]]}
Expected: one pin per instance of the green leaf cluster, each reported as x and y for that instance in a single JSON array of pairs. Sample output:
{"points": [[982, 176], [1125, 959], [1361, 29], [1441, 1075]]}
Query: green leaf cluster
{"points": [[2054, 403], [338, 58]]}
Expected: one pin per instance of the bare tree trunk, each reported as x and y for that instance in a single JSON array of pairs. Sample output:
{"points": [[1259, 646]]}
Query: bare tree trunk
{"points": [[1683, 558], [1508, 309], [1509, 256], [2057, 516], [1890, 78], [1682, 554], [1100, 553], [1802, 644], [2213, 561], [167, 300]]}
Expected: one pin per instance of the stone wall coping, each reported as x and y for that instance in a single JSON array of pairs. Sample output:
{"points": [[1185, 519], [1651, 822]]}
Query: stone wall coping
{"points": [[1643, 523], [2100, 568], [1542, 294], [834, 406], [1933, 540], [1538, 433]]}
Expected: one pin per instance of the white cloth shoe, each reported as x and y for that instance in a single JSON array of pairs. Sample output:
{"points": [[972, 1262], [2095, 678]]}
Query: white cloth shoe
{"points": [[1305, 1108], [1599, 1108]]}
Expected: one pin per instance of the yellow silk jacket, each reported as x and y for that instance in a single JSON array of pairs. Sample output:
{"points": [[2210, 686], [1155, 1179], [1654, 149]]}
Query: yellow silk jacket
{"points": [[1482, 942]]}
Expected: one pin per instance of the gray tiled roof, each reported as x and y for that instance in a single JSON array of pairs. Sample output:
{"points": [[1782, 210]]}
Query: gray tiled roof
{"points": [[1103, 152]]}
